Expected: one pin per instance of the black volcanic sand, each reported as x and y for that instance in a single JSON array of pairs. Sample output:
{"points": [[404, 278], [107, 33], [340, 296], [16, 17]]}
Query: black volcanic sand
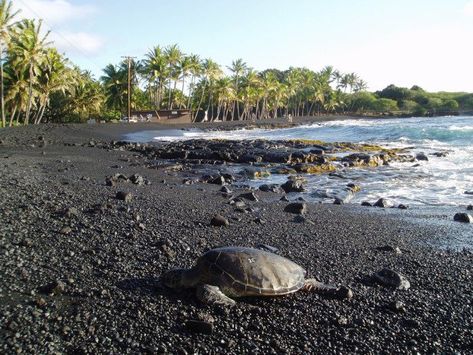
{"points": [[80, 267]]}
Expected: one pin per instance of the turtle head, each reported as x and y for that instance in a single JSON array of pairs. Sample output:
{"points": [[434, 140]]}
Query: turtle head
{"points": [[174, 278]]}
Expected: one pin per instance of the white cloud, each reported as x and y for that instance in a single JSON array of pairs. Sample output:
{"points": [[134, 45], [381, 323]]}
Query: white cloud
{"points": [[59, 16], [53, 11], [468, 9], [77, 42]]}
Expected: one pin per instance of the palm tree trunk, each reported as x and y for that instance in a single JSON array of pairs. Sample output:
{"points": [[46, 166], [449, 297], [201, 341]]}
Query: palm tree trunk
{"points": [[30, 96], [12, 116], [42, 113], [200, 103], [169, 96], [190, 92], [173, 91], [182, 89], [4, 121]]}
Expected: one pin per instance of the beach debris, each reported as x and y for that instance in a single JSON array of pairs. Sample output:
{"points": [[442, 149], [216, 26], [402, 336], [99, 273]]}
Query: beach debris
{"points": [[284, 199], [296, 208], [124, 196], [219, 221], [235, 272], [463, 217], [468, 192], [384, 203], [403, 207], [390, 278]]}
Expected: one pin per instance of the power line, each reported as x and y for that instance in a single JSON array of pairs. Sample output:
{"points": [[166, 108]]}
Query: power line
{"points": [[62, 36]]}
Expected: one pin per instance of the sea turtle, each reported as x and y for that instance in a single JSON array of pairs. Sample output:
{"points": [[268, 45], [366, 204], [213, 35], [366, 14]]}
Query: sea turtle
{"points": [[230, 272]]}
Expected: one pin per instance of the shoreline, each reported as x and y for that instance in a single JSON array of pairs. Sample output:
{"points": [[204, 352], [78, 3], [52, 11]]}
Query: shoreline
{"points": [[62, 223]]}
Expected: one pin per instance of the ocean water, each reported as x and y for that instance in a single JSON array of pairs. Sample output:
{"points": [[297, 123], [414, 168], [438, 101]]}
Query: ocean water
{"points": [[438, 181]]}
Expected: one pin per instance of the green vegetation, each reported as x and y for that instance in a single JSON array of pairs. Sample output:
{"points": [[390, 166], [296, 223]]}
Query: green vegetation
{"points": [[38, 84]]}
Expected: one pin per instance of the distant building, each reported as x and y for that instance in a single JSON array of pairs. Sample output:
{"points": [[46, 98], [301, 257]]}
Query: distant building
{"points": [[168, 116]]}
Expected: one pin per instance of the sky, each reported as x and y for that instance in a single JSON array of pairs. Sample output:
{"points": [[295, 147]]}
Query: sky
{"points": [[404, 42]]}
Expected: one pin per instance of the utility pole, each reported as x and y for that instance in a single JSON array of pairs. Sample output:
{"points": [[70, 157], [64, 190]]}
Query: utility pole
{"points": [[129, 59]]}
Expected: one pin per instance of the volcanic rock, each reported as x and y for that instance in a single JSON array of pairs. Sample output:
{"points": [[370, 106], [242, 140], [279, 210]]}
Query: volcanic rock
{"points": [[219, 221], [463, 217], [296, 208], [390, 278]]}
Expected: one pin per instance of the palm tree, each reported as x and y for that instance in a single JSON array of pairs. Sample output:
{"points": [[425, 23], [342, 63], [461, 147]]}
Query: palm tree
{"points": [[115, 84], [238, 68], [55, 76], [173, 57], [195, 68], [17, 93], [6, 25], [225, 94], [184, 69], [210, 72], [155, 69], [29, 48]]}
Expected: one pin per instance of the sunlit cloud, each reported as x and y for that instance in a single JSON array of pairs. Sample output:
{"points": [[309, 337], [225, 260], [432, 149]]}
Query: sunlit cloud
{"points": [[57, 15], [53, 11]]}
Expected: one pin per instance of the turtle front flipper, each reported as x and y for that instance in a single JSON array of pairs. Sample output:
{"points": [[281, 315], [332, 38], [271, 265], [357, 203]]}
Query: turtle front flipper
{"points": [[341, 292], [212, 295]]}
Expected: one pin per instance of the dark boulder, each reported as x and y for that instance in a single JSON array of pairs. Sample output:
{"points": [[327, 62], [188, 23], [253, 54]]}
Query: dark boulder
{"points": [[390, 278], [384, 203], [219, 221], [250, 196], [296, 207], [124, 196], [293, 185], [422, 157], [463, 217]]}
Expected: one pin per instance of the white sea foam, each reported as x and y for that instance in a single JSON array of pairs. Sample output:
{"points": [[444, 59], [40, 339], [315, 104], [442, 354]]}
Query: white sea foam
{"points": [[440, 180]]}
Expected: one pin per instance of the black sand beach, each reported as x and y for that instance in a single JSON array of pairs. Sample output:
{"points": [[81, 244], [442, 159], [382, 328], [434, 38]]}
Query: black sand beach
{"points": [[80, 267]]}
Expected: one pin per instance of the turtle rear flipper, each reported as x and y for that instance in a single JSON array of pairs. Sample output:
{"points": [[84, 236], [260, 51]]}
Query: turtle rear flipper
{"points": [[212, 295], [341, 292]]}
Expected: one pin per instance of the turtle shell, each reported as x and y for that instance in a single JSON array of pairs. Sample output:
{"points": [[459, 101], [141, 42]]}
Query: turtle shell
{"points": [[239, 272]]}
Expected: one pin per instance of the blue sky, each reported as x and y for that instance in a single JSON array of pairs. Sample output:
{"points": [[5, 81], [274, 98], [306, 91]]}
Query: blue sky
{"points": [[423, 42]]}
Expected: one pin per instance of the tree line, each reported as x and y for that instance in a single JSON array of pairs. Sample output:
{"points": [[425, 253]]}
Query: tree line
{"points": [[39, 84]]}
